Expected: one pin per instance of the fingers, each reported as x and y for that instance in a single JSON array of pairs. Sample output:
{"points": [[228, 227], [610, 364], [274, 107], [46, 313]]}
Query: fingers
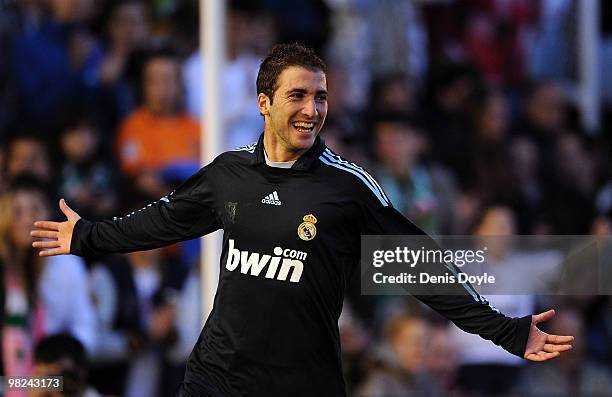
{"points": [[47, 225], [559, 339], [538, 318], [552, 349], [44, 234], [542, 356], [52, 252], [46, 244], [556, 348]]}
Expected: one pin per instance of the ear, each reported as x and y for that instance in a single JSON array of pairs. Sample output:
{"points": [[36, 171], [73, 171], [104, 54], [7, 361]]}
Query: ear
{"points": [[263, 102]]}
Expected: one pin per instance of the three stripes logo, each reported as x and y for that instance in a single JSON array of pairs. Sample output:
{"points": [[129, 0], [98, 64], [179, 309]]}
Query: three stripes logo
{"points": [[330, 158], [272, 199]]}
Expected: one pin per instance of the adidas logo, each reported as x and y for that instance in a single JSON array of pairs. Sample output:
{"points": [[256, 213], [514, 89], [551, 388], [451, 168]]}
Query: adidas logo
{"points": [[271, 198]]}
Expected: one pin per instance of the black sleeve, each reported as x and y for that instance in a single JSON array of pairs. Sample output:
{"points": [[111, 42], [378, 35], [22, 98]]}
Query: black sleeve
{"points": [[186, 213], [466, 308]]}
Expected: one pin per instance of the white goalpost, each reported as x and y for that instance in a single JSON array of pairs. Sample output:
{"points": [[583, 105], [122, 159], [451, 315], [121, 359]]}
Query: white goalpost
{"points": [[212, 51]]}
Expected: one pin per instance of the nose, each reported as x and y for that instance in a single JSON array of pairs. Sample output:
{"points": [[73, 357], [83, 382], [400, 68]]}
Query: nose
{"points": [[310, 108]]}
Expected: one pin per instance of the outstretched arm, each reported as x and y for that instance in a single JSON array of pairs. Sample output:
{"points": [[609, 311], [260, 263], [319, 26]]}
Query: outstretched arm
{"points": [[461, 304], [187, 213]]}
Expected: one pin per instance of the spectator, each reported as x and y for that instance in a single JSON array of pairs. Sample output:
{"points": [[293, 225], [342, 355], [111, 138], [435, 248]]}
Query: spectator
{"points": [[56, 60], [573, 185], [442, 362], [136, 305], [545, 109], [311, 28], [354, 338], [403, 370], [11, 17], [477, 356], [450, 90], [39, 296], [544, 119], [488, 161], [599, 307], [601, 226], [62, 355], [552, 39], [527, 197], [399, 45], [603, 200], [422, 193], [392, 93], [346, 50], [599, 339], [144, 144], [187, 325], [28, 154], [87, 180], [494, 38], [127, 33], [343, 116], [242, 121]]}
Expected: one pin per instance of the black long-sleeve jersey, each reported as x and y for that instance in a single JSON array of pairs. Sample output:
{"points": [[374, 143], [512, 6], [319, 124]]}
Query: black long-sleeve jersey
{"points": [[291, 240]]}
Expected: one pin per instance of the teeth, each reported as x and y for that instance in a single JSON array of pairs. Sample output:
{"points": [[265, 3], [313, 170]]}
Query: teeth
{"points": [[301, 124]]}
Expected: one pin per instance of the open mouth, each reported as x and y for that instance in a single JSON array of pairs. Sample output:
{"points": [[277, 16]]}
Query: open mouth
{"points": [[303, 126]]}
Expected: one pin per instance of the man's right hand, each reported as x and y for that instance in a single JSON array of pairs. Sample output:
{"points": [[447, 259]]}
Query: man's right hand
{"points": [[57, 235]]}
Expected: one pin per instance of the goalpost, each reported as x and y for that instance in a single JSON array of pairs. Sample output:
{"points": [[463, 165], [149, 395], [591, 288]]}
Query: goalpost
{"points": [[212, 43]]}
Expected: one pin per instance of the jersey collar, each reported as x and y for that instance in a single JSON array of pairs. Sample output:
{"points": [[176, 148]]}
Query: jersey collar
{"points": [[302, 164]]}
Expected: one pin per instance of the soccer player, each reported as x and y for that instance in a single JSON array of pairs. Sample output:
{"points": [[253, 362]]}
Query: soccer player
{"points": [[292, 212]]}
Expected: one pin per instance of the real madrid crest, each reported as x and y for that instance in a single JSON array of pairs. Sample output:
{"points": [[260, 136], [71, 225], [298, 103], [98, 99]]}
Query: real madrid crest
{"points": [[307, 229]]}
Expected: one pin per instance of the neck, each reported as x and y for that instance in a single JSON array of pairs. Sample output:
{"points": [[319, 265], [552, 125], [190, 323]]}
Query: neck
{"points": [[161, 111], [401, 170], [277, 150]]}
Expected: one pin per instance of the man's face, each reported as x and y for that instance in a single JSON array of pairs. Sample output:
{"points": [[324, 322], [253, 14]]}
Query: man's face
{"points": [[296, 115], [546, 108], [162, 87], [411, 345], [397, 146], [73, 378], [28, 155], [28, 206], [129, 25]]}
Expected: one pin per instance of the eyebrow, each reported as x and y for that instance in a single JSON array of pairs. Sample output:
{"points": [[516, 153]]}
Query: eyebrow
{"points": [[305, 91]]}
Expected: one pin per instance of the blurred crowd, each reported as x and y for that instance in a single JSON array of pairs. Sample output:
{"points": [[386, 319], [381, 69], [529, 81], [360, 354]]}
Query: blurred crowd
{"points": [[465, 112]]}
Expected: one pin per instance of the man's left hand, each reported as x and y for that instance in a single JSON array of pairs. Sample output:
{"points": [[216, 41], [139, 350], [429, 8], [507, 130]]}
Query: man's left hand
{"points": [[542, 346]]}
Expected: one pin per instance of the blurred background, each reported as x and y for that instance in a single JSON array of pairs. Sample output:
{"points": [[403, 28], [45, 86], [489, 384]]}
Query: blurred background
{"points": [[484, 117]]}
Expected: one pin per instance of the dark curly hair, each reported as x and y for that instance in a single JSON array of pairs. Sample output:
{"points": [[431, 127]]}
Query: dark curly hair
{"points": [[280, 57]]}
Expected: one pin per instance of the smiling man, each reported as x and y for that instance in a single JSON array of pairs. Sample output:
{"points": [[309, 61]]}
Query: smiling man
{"points": [[292, 213], [293, 100]]}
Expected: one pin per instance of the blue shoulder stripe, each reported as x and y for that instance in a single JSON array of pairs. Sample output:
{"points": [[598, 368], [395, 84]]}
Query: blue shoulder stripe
{"points": [[339, 159], [248, 148], [331, 156], [164, 199], [324, 160], [475, 295]]}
